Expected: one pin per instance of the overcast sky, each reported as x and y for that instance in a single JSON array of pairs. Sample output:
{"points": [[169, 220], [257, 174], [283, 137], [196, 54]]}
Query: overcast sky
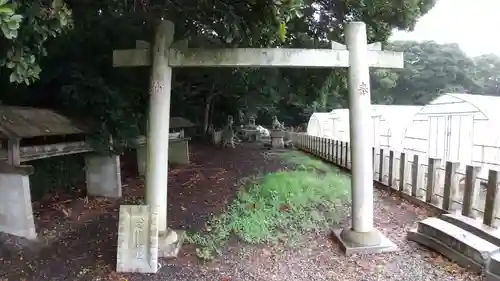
{"points": [[473, 24]]}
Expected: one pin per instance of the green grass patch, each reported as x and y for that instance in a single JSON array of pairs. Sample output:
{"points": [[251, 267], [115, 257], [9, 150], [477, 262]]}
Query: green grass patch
{"points": [[280, 206], [306, 162]]}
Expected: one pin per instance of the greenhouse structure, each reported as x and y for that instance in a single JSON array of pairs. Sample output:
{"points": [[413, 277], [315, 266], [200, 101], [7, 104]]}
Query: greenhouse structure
{"points": [[457, 127], [389, 123], [319, 125]]}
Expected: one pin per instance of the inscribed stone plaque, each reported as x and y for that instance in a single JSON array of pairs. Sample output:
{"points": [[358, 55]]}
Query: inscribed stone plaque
{"points": [[137, 239]]}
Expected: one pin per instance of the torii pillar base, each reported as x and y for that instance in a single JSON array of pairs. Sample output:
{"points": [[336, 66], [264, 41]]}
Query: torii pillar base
{"points": [[353, 242], [170, 243]]}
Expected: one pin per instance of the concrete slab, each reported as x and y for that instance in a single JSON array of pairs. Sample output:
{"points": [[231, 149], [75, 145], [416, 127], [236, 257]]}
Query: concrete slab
{"points": [[493, 268], [443, 249], [468, 249], [475, 227], [385, 246]]}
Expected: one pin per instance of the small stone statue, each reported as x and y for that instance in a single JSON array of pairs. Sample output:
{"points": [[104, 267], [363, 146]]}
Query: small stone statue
{"points": [[276, 124], [242, 117], [251, 122], [228, 133]]}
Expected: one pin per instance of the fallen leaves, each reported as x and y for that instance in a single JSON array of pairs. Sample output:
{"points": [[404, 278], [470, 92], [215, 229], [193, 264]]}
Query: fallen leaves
{"points": [[284, 208], [266, 252], [365, 265]]}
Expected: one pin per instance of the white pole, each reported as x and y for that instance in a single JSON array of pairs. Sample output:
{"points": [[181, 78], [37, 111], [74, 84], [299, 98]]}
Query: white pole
{"points": [[158, 125], [360, 127]]}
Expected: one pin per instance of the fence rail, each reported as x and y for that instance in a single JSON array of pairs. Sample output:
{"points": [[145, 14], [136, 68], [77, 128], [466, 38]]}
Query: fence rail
{"points": [[450, 188]]}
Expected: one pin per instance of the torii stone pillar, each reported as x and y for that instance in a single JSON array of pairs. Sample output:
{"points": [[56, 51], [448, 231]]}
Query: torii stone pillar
{"points": [[361, 237], [158, 138], [358, 57], [169, 241]]}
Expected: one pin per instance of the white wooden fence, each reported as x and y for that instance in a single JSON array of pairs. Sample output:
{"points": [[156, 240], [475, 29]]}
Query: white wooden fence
{"points": [[447, 189]]}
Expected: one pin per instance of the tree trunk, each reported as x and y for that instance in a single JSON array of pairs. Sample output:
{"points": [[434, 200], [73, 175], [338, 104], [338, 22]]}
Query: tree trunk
{"points": [[206, 117]]}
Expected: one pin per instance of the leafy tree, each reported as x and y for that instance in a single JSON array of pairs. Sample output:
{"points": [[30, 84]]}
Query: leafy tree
{"points": [[78, 78], [487, 73], [26, 26], [429, 69], [72, 42]]}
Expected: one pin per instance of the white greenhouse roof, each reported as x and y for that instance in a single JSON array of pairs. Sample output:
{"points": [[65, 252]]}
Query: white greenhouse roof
{"points": [[317, 122], [398, 116], [321, 115], [488, 105]]}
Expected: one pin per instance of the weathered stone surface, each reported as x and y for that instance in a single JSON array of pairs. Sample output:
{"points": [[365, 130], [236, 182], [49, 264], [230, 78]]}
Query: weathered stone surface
{"points": [[475, 227], [170, 244], [16, 214], [241, 57], [444, 250], [277, 134], [137, 239], [493, 269], [277, 143], [178, 151], [103, 175], [349, 248], [465, 248], [277, 139]]}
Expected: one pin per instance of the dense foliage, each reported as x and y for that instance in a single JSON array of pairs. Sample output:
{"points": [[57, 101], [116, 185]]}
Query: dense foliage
{"points": [[431, 69], [78, 78], [57, 54]]}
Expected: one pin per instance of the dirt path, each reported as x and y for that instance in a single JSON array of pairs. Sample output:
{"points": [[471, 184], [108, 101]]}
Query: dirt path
{"points": [[82, 231], [196, 192], [316, 257]]}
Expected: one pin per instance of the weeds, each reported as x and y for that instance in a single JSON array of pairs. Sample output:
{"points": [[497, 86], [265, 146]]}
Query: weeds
{"points": [[280, 206]]}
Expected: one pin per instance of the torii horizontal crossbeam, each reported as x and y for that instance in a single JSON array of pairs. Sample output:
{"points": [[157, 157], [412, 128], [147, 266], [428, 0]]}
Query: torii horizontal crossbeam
{"points": [[250, 57]]}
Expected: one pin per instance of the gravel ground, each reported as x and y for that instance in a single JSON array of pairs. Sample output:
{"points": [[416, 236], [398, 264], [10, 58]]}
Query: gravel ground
{"points": [[88, 253], [316, 257]]}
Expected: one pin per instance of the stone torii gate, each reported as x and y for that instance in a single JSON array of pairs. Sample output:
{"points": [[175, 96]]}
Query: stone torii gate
{"points": [[358, 56]]}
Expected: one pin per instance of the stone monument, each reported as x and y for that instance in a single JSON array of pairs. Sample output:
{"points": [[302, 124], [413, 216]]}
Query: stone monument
{"points": [[137, 249], [251, 122], [228, 133], [277, 134], [249, 131]]}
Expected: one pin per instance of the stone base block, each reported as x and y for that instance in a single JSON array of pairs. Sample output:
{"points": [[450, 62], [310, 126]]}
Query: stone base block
{"points": [[168, 248], [178, 152], [217, 137], [444, 250], [350, 248], [474, 226], [277, 134], [16, 213], [277, 142], [103, 175], [493, 269], [460, 246]]}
